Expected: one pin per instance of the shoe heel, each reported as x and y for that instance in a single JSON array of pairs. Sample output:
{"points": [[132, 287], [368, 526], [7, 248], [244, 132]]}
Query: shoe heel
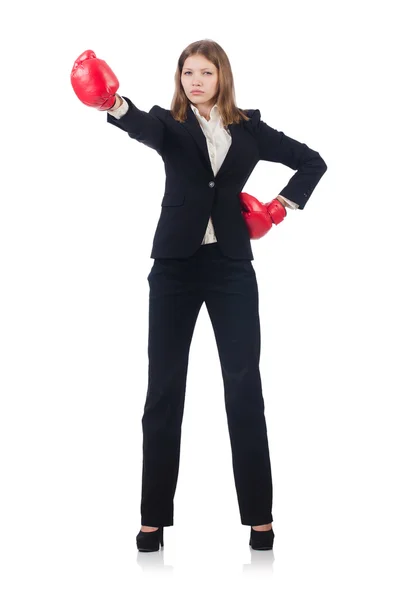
{"points": [[261, 540], [150, 541]]}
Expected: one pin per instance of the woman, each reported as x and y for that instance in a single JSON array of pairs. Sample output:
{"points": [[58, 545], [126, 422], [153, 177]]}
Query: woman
{"points": [[202, 254]]}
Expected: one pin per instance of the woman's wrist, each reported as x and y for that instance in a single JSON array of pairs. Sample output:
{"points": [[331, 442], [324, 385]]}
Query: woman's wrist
{"points": [[283, 202], [118, 102]]}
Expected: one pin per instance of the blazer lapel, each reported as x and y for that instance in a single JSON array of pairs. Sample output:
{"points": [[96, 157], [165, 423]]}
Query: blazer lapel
{"points": [[193, 127]]}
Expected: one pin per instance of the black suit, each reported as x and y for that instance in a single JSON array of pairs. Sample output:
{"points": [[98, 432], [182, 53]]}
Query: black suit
{"points": [[186, 274], [193, 193]]}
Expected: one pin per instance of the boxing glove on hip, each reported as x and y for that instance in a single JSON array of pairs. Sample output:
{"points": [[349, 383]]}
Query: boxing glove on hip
{"points": [[260, 217]]}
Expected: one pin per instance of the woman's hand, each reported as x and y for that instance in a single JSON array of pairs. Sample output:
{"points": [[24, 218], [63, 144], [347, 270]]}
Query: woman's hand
{"points": [[94, 82], [260, 217]]}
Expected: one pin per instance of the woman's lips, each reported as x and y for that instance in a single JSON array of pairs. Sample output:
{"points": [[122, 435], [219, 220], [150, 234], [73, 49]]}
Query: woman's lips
{"points": [[197, 92]]}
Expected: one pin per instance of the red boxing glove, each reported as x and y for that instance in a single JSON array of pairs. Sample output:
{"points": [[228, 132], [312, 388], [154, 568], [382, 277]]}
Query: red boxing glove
{"points": [[94, 82], [260, 217]]}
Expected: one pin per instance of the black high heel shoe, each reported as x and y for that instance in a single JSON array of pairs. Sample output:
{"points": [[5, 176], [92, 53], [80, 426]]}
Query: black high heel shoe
{"points": [[150, 541], [261, 540]]}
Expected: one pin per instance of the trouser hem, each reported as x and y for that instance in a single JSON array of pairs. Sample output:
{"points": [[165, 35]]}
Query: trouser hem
{"points": [[157, 522], [261, 520]]}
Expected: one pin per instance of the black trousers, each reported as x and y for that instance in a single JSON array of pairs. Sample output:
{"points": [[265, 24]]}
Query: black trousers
{"points": [[178, 288]]}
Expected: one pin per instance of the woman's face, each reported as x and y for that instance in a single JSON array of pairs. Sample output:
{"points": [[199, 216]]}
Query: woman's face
{"points": [[199, 73]]}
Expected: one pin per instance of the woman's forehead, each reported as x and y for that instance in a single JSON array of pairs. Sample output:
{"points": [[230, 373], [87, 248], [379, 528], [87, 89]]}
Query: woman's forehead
{"points": [[200, 62]]}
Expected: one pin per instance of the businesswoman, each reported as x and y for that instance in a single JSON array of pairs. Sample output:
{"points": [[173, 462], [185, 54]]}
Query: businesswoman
{"points": [[202, 254]]}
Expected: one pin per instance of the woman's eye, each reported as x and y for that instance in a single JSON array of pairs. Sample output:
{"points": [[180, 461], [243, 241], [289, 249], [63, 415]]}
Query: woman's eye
{"points": [[204, 72]]}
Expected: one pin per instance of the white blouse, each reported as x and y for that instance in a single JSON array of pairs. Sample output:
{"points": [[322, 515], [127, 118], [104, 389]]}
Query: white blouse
{"points": [[218, 143]]}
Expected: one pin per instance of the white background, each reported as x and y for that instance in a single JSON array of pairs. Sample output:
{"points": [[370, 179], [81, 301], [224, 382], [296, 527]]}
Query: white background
{"points": [[80, 202]]}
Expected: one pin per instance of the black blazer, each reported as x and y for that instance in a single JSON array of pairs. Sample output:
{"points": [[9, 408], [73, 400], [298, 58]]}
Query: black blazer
{"points": [[192, 192]]}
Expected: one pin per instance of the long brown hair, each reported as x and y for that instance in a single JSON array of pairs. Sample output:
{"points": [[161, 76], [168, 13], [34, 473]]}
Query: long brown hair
{"points": [[225, 98]]}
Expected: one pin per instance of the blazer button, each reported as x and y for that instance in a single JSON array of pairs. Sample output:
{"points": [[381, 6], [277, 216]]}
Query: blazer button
{"points": [[211, 184]]}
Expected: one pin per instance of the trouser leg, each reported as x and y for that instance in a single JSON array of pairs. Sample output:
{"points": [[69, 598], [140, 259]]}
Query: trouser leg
{"points": [[231, 298], [174, 306]]}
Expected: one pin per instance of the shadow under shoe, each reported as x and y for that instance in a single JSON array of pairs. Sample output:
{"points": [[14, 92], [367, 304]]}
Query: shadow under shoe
{"points": [[150, 541], [261, 540]]}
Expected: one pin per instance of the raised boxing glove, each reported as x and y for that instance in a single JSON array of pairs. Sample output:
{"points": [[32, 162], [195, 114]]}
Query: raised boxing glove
{"points": [[260, 217], [94, 82]]}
